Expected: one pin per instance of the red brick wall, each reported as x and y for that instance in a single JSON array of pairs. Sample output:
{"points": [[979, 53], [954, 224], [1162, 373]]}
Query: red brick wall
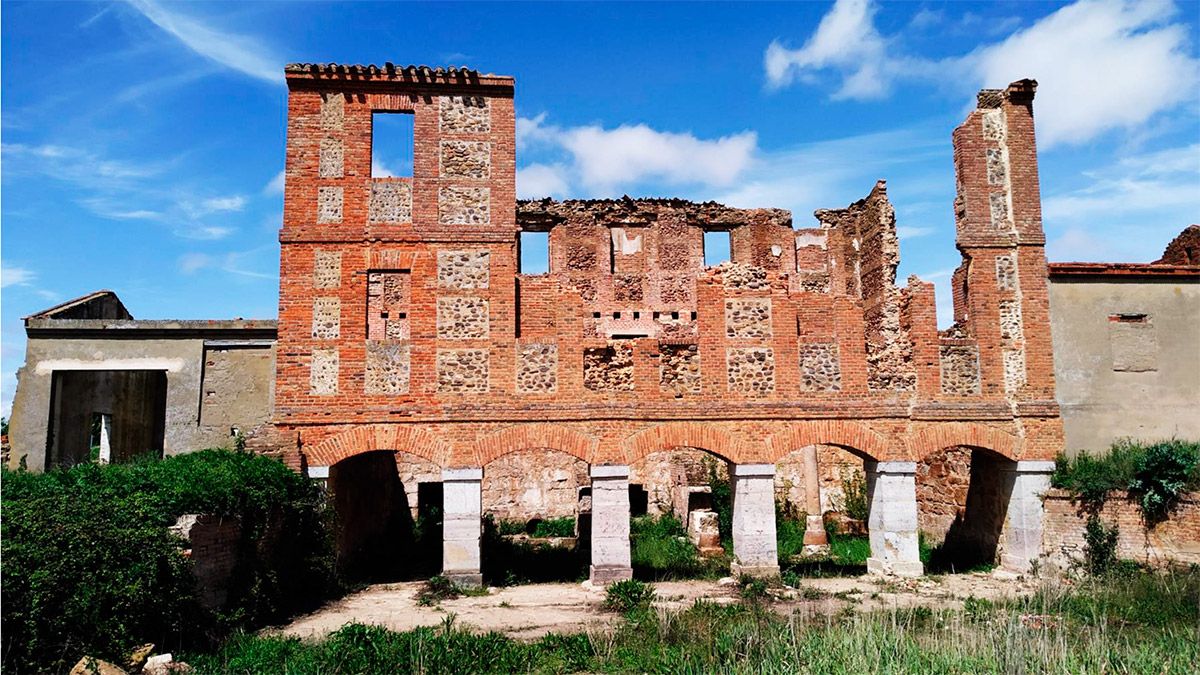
{"points": [[1173, 541], [469, 379]]}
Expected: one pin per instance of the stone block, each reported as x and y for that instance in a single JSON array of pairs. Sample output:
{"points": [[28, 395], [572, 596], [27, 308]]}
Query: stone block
{"points": [[537, 368], [755, 550], [679, 369], [465, 270], [1006, 272], [333, 111], [323, 372], [748, 318], [960, 369], [332, 158], [751, 370], [466, 159], [391, 202], [327, 318], [462, 371], [327, 269], [608, 368], [464, 115], [464, 206], [892, 494], [387, 368], [820, 367], [329, 205], [462, 318], [610, 524]]}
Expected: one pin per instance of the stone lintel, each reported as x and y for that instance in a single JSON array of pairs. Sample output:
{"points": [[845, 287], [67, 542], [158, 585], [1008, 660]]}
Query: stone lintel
{"points": [[751, 470], [463, 475], [610, 471], [1031, 466], [318, 472]]}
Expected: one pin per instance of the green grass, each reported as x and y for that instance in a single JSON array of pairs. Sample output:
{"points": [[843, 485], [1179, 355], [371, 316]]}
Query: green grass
{"points": [[1140, 623], [847, 557], [555, 527], [661, 550]]}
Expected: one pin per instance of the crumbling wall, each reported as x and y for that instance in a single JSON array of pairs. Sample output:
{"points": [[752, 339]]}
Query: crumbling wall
{"points": [[534, 484], [869, 251], [1183, 249]]}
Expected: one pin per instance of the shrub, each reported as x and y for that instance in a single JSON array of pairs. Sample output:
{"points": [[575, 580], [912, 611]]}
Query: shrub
{"points": [[854, 496], [1163, 472], [628, 595], [1100, 546], [555, 527], [1092, 477], [436, 589], [89, 566], [752, 588]]}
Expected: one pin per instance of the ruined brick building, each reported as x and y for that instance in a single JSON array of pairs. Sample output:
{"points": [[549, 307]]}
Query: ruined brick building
{"points": [[407, 331]]}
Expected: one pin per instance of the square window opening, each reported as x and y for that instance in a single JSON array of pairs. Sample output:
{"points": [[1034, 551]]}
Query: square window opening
{"points": [[535, 252], [391, 145], [716, 248]]}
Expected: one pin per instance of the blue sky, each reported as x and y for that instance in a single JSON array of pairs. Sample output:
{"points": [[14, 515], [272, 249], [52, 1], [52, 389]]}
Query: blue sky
{"points": [[143, 142]]}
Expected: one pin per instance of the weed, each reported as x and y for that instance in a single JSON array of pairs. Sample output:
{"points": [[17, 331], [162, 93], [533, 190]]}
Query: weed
{"points": [[1100, 546], [628, 595], [437, 589], [752, 588]]}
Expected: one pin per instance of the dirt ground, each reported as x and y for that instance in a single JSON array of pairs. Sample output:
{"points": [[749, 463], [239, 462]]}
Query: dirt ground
{"points": [[529, 612]]}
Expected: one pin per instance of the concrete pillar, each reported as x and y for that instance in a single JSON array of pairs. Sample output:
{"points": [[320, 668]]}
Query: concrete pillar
{"points": [[815, 539], [610, 525], [754, 547], [892, 496], [1023, 522], [462, 525]]}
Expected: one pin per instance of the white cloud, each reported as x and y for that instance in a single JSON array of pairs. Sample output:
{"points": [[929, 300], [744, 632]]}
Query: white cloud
{"points": [[542, 180], [190, 263], [275, 186], [913, 231], [217, 204], [233, 262], [15, 276], [604, 161], [1100, 64], [204, 232], [846, 39], [236, 52]]}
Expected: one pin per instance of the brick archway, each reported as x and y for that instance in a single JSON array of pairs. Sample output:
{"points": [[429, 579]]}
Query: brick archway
{"points": [[532, 437], [688, 435], [944, 435], [372, 437], [852, 436]]}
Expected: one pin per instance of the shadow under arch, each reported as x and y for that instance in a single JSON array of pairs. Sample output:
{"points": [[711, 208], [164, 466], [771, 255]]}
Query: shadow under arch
{"points": [[973, 535]]}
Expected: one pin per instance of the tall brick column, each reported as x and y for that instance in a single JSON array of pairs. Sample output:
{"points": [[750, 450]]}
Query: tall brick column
{"points": [[462, 525], [610, 525], [1023, 522], [892, 497], [755, 551]]}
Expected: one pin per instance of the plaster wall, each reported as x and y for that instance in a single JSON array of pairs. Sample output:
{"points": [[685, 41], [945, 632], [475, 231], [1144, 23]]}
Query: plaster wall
{"points": [[1153, 398]]}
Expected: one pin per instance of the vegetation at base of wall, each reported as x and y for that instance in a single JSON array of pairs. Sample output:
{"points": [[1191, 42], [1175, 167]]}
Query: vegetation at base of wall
{"points": [[847, 557], [628, 595], [554, 527], [1099, 546], [722, 501], [438, 588], [508, 562], [90, 567], [660, 549], [1155, 474], [854, 496], [1145, 623]]}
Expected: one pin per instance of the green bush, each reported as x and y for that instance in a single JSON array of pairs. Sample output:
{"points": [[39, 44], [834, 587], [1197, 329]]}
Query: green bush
{"points": [[660, 550], [555, 527], [628, 595], [1154, 474], [89, 565], [1163, 472], [1100, 546], [854, 496], [722, 501], [751, 588]]}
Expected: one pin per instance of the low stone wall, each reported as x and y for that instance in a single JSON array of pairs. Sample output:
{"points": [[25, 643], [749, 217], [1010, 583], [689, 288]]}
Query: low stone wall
{"points": [[1173, 541], [212, 545]]}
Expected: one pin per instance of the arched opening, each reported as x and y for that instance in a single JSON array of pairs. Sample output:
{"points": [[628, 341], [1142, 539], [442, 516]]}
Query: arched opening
{"points": [[962, 501], [387, 507], [841, 502], [534, 527], [681, 507]]}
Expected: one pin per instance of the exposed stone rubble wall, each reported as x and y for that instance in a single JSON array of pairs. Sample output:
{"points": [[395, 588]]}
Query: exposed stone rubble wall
{"points": [[462, 318], [608, 368], [751, 370], [388, 368], [537, 368], [462, 370], [680, 370], [960, 369], [534, 484]]}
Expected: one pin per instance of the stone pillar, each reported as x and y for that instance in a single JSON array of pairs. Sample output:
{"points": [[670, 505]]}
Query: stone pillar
{"points": [[610, 525], [1023, 522], [892, 496], [462, 525], [815, 539], [754, 547]]}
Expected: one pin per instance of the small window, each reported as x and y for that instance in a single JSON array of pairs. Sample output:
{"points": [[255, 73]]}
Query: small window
{"points": [[535, 252], [637, 315], [391, 144], [716, 248]]}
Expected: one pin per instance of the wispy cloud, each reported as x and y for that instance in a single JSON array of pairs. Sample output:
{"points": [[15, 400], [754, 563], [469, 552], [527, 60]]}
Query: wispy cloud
{"points": [[237, 52], [14, 275], [275, 185], [1139, 45], [601, 162], [241, 263]]}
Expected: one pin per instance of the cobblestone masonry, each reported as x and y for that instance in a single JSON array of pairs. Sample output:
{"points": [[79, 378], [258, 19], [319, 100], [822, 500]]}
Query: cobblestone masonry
{"points": [[844, 357], [462, 318]]}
